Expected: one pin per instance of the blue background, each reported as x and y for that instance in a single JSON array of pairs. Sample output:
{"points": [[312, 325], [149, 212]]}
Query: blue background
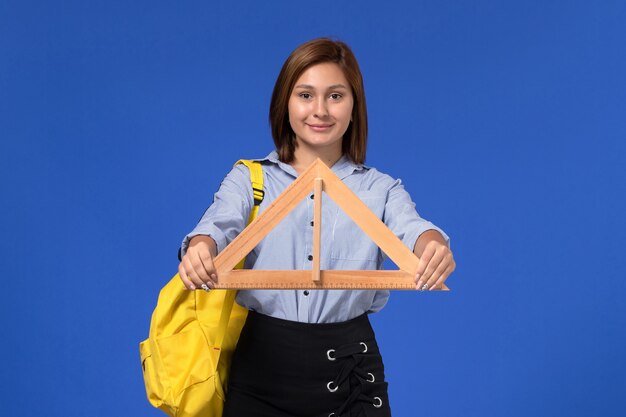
{"points": [[505, 120]]}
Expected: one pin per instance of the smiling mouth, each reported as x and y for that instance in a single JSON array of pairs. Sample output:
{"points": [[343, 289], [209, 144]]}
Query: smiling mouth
{"points": [[320, 127]]}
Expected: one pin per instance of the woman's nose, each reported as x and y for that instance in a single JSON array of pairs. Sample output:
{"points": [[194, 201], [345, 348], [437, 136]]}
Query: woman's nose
{"points": [[321, 109]]}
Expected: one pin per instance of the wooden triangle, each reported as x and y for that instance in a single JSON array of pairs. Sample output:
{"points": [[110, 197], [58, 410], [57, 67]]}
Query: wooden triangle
{"points": [[318, 177]]}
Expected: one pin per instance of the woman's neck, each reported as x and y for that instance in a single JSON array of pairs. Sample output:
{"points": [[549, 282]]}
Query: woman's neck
{"points": [[303, 158]]}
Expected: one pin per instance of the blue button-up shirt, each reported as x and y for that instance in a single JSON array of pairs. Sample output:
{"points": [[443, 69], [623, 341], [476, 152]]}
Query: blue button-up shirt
{"points": [[290, 245]]}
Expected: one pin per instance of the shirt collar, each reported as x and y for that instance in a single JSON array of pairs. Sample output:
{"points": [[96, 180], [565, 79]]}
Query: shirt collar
{"points": [[342, 168]]}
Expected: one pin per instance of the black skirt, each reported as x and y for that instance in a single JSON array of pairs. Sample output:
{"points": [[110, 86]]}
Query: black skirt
{"points": [[288, 369]]}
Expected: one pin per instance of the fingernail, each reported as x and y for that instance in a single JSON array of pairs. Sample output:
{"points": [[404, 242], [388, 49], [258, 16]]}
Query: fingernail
{"points": [[213, 277], [192, 287], [420, 284]]}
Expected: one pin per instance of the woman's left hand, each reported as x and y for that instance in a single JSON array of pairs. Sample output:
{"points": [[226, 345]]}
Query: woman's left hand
{"points": [[436, 262]]}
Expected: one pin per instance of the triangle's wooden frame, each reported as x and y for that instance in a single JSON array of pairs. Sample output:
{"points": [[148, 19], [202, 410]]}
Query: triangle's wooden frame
{"points": [[318, 177]]}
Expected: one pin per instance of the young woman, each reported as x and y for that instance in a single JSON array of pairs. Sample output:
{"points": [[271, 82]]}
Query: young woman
{"points": [[312, 352]]}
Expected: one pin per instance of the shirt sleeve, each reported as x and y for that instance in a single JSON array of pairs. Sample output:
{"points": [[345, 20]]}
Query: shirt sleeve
{"points": [[227, 216], [402, 218]]}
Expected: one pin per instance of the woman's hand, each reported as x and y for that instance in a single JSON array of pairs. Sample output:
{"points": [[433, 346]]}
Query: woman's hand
{"points": [[196, 269], [436, 261]]}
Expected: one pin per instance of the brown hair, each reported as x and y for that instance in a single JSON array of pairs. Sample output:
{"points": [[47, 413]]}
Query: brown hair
{"points": [[310, 53]]}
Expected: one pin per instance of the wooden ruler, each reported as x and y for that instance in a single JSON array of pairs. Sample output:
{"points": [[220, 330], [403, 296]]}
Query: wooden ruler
{"points": [[317, 178], [329, 279]]}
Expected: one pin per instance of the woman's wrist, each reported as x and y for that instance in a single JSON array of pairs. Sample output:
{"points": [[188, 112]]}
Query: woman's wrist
{"points": [[425, 238]]}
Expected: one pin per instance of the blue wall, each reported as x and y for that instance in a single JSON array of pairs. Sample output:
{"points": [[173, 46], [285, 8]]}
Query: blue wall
{"points": [[505, 120]]}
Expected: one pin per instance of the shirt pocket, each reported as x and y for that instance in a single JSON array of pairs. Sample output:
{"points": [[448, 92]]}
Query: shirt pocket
{"points": [[351, 247]]}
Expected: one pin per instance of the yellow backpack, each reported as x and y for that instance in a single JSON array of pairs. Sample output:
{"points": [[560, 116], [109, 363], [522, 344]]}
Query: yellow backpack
{"points": [[193, 334]]}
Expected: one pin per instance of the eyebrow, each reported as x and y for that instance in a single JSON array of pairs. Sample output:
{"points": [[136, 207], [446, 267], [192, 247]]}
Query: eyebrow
{"points": [[330, 87]]}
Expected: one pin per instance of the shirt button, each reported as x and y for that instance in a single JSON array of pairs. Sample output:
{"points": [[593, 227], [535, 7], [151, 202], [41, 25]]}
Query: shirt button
{"points": [[311, 222], [310, 257], [312, 196], [306, 292]]}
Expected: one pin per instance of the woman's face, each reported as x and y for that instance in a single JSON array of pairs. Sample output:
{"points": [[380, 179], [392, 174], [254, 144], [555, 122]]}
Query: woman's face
{"points": [[320, 108]]}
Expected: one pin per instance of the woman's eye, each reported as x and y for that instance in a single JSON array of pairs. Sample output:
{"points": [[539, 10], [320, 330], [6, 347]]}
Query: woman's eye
{"points": [[305, 96], [335, 96]]}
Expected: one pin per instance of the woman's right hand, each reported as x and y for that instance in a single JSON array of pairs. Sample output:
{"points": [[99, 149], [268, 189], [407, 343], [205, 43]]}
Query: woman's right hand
{"points": [[196, 269]]}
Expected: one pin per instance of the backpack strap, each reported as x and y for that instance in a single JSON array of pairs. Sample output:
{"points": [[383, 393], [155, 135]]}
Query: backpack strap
{"points": [[256, 178]]}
